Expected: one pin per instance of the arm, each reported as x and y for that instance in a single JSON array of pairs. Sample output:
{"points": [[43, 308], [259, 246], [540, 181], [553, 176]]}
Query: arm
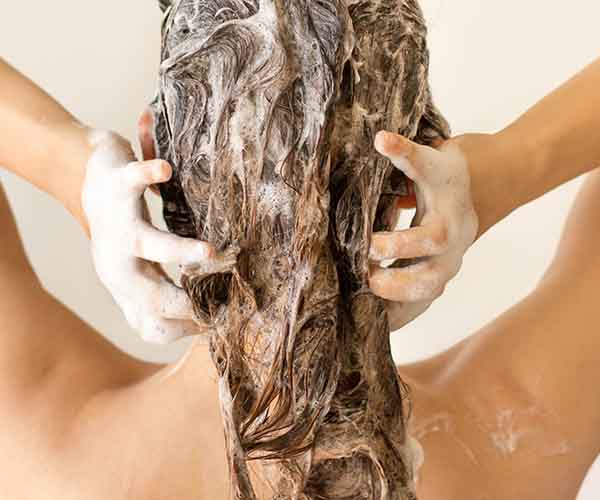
{"points": [[27, 112], [523, 390], [42, 343], [545, 351], [95, 175], [473, 181], [562, 316], [47, 146], [40, 339], [41, 141], [555, 141]]}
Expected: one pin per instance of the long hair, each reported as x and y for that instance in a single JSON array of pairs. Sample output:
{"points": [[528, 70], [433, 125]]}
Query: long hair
{"points": [[267, 110]]}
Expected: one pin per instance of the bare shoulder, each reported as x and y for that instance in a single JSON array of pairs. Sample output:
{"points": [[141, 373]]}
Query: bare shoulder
{"points": [[50, 360], [513, 406], [472, 409], [77, 413]]}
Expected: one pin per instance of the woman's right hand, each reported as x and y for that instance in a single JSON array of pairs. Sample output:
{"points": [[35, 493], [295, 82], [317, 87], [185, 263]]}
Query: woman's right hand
{"points": [[127, 250]]}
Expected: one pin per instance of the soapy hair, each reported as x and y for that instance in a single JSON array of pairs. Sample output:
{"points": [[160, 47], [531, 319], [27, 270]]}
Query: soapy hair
{"points": [[267, 110]]}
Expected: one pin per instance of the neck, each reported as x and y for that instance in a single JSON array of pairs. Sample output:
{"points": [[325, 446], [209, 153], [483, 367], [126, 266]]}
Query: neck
{"points": [[181, 403]]}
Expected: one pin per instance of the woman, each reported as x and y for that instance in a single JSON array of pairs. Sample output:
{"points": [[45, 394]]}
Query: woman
{"points": [[83, 420]]}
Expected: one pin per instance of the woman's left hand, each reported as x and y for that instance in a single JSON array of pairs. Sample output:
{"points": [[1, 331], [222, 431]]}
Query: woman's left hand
{"points": [[444, 227]]}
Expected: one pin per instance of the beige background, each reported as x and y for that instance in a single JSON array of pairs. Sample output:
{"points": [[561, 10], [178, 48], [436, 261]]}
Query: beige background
{"points": [[490, 61]]}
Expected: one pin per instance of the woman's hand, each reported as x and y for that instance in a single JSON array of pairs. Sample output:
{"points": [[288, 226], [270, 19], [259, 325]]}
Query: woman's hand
{"points": [[127, 249], [444, 227]]}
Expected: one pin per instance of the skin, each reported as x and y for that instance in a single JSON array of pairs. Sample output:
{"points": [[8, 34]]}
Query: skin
{"points": [[444, 227], [499, 416], [127, 249]]}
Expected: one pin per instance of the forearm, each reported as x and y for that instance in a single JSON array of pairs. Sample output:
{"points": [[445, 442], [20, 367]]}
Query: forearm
{"points": [[41, 141], [562, 132], [555, 141]]}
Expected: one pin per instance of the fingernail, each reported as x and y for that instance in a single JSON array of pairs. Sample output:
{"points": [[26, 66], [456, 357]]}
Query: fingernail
{"points": [[165, 169], [391, 143]]}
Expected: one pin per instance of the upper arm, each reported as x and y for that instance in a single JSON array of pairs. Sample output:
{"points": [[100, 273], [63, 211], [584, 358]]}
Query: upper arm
{"points": [[20, 291], [15, 269], [578, 255], [42, 343], [549, 343], [521, 395], [568, 301]]}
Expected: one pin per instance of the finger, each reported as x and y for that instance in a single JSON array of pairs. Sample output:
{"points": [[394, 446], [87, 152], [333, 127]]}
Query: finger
{"points": [[419, 241], [166, 331], [404, 154], [155, 190], [138, 176], [402, 313], [173, 302], [146, 135], [393, 212], [420, 282], [410, 199], [159, 246], [406, 202], [438, 142]]}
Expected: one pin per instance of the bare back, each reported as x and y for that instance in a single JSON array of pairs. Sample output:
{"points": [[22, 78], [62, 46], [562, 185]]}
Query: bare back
{"points": [[83, 420]]}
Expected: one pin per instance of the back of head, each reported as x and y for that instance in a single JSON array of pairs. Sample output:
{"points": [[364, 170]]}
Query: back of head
{"points": [[267, 110]]}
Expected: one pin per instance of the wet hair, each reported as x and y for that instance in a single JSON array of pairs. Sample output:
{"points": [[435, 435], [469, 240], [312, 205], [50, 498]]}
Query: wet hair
{"points": [[267, 110]]}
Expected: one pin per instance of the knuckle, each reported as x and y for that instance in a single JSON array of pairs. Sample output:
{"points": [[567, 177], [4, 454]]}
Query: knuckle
{"points": [[156, 302], [136, 244], [125, 178], [428, 266], [439, 292], [151, 331], [130, 169], [440, 238], [438, 276], [146, 174], [381, 246], [432, 282], [455, 268], [390, 245]]}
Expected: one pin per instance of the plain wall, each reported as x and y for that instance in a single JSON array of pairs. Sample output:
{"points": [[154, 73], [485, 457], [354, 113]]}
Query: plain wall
{"points": [[489, 62]]}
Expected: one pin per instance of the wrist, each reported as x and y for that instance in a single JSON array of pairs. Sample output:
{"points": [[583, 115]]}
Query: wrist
{"points": [[496, 165], [71, 152]]}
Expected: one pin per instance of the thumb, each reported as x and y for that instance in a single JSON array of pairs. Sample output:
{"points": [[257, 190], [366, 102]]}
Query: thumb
{"points": [[413, 159]]}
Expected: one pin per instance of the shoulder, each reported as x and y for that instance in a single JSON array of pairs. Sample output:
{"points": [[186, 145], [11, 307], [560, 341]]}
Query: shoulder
{"points": [[489, 407]]}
